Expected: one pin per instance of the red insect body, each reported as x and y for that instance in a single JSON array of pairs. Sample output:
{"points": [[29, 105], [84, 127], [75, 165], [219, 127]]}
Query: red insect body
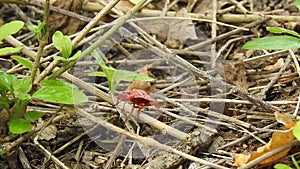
{"points": [[137, 97]]}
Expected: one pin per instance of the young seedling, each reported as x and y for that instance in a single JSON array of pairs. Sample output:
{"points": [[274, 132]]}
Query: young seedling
{"points": [[136, 96]]}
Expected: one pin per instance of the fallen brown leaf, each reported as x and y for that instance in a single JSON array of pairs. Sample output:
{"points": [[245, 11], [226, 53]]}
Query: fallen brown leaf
{"points": [[240, 159], [277, 65], [235, 73], [285, 120], [146, 86], [279, 138]]}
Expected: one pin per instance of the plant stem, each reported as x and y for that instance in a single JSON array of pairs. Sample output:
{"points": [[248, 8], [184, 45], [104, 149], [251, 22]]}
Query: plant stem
{"points": [[79, 37], [108, 34], [43, 41]]}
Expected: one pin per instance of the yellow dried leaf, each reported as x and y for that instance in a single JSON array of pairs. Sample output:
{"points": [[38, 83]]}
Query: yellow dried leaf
{"points": [[240, 159], [278, 139], [285, 120]]}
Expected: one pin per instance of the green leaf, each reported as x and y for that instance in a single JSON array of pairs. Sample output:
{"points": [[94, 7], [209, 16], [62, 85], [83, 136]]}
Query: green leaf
{"points": [[99, 74], [101, 62], [10, 28], [59, 58], [23, 61], [4, 101], [296, 130], [22, 96], [282, 166], [130, 76], [60, 95], [33, 28], [22, 87], [6, 82], [38, 29], [19, 126], [282, 30], [115, 76], [124, 75], [8, 50], [33, 115], [75, 56], [56, 91], [96, 55], [55, 83], [273, 43], [62, 43], [143, 78], [109, 73], [297, 3], [107, 70]]}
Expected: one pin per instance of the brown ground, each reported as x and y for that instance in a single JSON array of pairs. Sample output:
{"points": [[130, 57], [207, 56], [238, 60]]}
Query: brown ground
{"points": [[235, 92]]}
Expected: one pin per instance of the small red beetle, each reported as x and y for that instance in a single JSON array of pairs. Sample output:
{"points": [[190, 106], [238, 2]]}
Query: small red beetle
{"points": [[137, 97]]}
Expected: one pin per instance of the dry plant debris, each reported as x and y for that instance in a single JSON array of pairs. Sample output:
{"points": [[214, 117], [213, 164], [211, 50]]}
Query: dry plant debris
{"points": [[278, 139], [220, 106]]}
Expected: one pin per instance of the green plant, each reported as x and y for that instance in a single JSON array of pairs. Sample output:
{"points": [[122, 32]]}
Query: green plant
{"points": [[283, 42], [38, 29], [7, 30], [64, 45], [115, 76], [284, 166], [16, 93], [297, 3]]}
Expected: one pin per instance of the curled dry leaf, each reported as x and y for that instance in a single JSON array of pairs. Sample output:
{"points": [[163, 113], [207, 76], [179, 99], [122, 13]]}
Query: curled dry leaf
{"points": [[234, 73], [286, 120], [240, 159], [277, 65], [146, 86], [279, 138], [48, 133]]}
